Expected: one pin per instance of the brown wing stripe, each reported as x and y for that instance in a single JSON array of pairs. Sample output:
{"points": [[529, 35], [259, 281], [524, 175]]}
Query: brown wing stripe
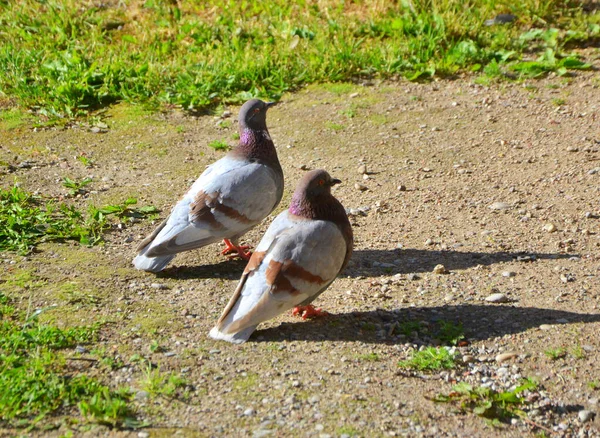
{"points": [[204, 204], [278, 275], [201, 210], [232, 213], [255, 261]]}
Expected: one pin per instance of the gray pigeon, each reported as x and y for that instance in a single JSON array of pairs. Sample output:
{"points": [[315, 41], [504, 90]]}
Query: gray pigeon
{"points": [[300, 255], [233, 195]]}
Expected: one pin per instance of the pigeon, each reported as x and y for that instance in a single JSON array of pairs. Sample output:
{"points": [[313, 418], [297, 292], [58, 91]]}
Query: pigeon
{"points": [[233, 195], [302, 252]]}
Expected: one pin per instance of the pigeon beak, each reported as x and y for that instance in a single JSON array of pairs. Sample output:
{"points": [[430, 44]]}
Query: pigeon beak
{"points": [[335, 181], [270, 104]]}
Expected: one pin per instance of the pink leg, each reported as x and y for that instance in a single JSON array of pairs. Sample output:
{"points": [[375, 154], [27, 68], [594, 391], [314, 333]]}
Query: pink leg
{"points": [[240, 251], [308, 312]]}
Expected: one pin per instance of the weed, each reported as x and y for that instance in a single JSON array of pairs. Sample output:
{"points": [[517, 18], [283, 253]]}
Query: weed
{"points": [[219, 145], [246, 382], [34, 379], [450, 333], [159, 383], [348, 430], [578, 352], [430, 359], [558, 101], [76, 188], [594, 384], [26, 221], [87, 162], [555, 353], [369, 357], [334, 126], [123, 211], [487, 402]]}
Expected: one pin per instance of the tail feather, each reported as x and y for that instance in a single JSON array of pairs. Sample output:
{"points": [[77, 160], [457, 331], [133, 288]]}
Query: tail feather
{"points": [[235, 338], [152, 264]]}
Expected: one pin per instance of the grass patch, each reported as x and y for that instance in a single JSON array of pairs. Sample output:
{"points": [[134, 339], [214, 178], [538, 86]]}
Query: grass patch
{"points": [[13, 118], [488, 403], [64, 58], [334, 126], [27, 220], [159, 383], [555, 353], [76, 187], [35, 380], [246, 383], [369, 357], [430, 359], [594, 384], [219, 145]]}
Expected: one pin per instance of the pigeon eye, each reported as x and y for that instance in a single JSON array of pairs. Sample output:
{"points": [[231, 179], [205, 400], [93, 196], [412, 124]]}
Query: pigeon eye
{"points": [[321, 182], [256, 110]]}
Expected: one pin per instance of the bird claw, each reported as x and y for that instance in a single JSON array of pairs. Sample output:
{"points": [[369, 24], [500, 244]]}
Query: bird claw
{"points": [[307, 312], [232, 251]]}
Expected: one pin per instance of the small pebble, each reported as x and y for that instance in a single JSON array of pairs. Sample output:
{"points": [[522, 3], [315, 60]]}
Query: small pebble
{"points": [[249, 412], [467, 358], [402, 188], [503, 357], [362, 169], [549, 228], [143, 434], [497, 298], [585, 415], [545, 326], [159, 286], [361, 187], [412, 277], [440, 269], [500, 206], [508, 274]]}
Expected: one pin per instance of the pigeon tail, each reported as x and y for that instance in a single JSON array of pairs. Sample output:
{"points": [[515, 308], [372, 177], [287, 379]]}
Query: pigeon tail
{"points": [[152, 264], [235, 338]]}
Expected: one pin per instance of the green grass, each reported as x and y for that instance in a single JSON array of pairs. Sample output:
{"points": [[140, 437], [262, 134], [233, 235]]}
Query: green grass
{"points": [[219, 145], [76, 187], [27, 220], [36, 381], [369, 357], [430, 359], [555, 353], [64, 58], [488, 403], [159, 383]]}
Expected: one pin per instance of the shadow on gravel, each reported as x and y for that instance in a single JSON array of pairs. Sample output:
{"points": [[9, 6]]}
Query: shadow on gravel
{"points": [[227, 269], [480, 322], [374, 262]]}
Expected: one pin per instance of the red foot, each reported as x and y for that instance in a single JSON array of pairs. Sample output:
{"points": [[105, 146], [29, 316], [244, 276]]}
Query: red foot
{"points": [[308, 312], [240, 251]]}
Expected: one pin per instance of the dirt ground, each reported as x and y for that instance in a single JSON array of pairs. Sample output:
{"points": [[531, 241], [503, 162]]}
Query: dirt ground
{"points": [[498, 183]]}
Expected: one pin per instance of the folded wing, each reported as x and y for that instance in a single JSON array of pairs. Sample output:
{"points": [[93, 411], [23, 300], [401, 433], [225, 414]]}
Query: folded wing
{"points": [[296, 260]]}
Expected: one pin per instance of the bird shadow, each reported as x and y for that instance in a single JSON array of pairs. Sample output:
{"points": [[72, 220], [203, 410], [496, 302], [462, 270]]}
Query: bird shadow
{"points": [[422, 325], [376, 262], [225, 269]]}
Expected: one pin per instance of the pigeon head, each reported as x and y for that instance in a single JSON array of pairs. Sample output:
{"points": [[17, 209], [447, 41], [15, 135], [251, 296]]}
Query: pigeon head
{"points": [[253, 114], [312, 197], [317, 183]]}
